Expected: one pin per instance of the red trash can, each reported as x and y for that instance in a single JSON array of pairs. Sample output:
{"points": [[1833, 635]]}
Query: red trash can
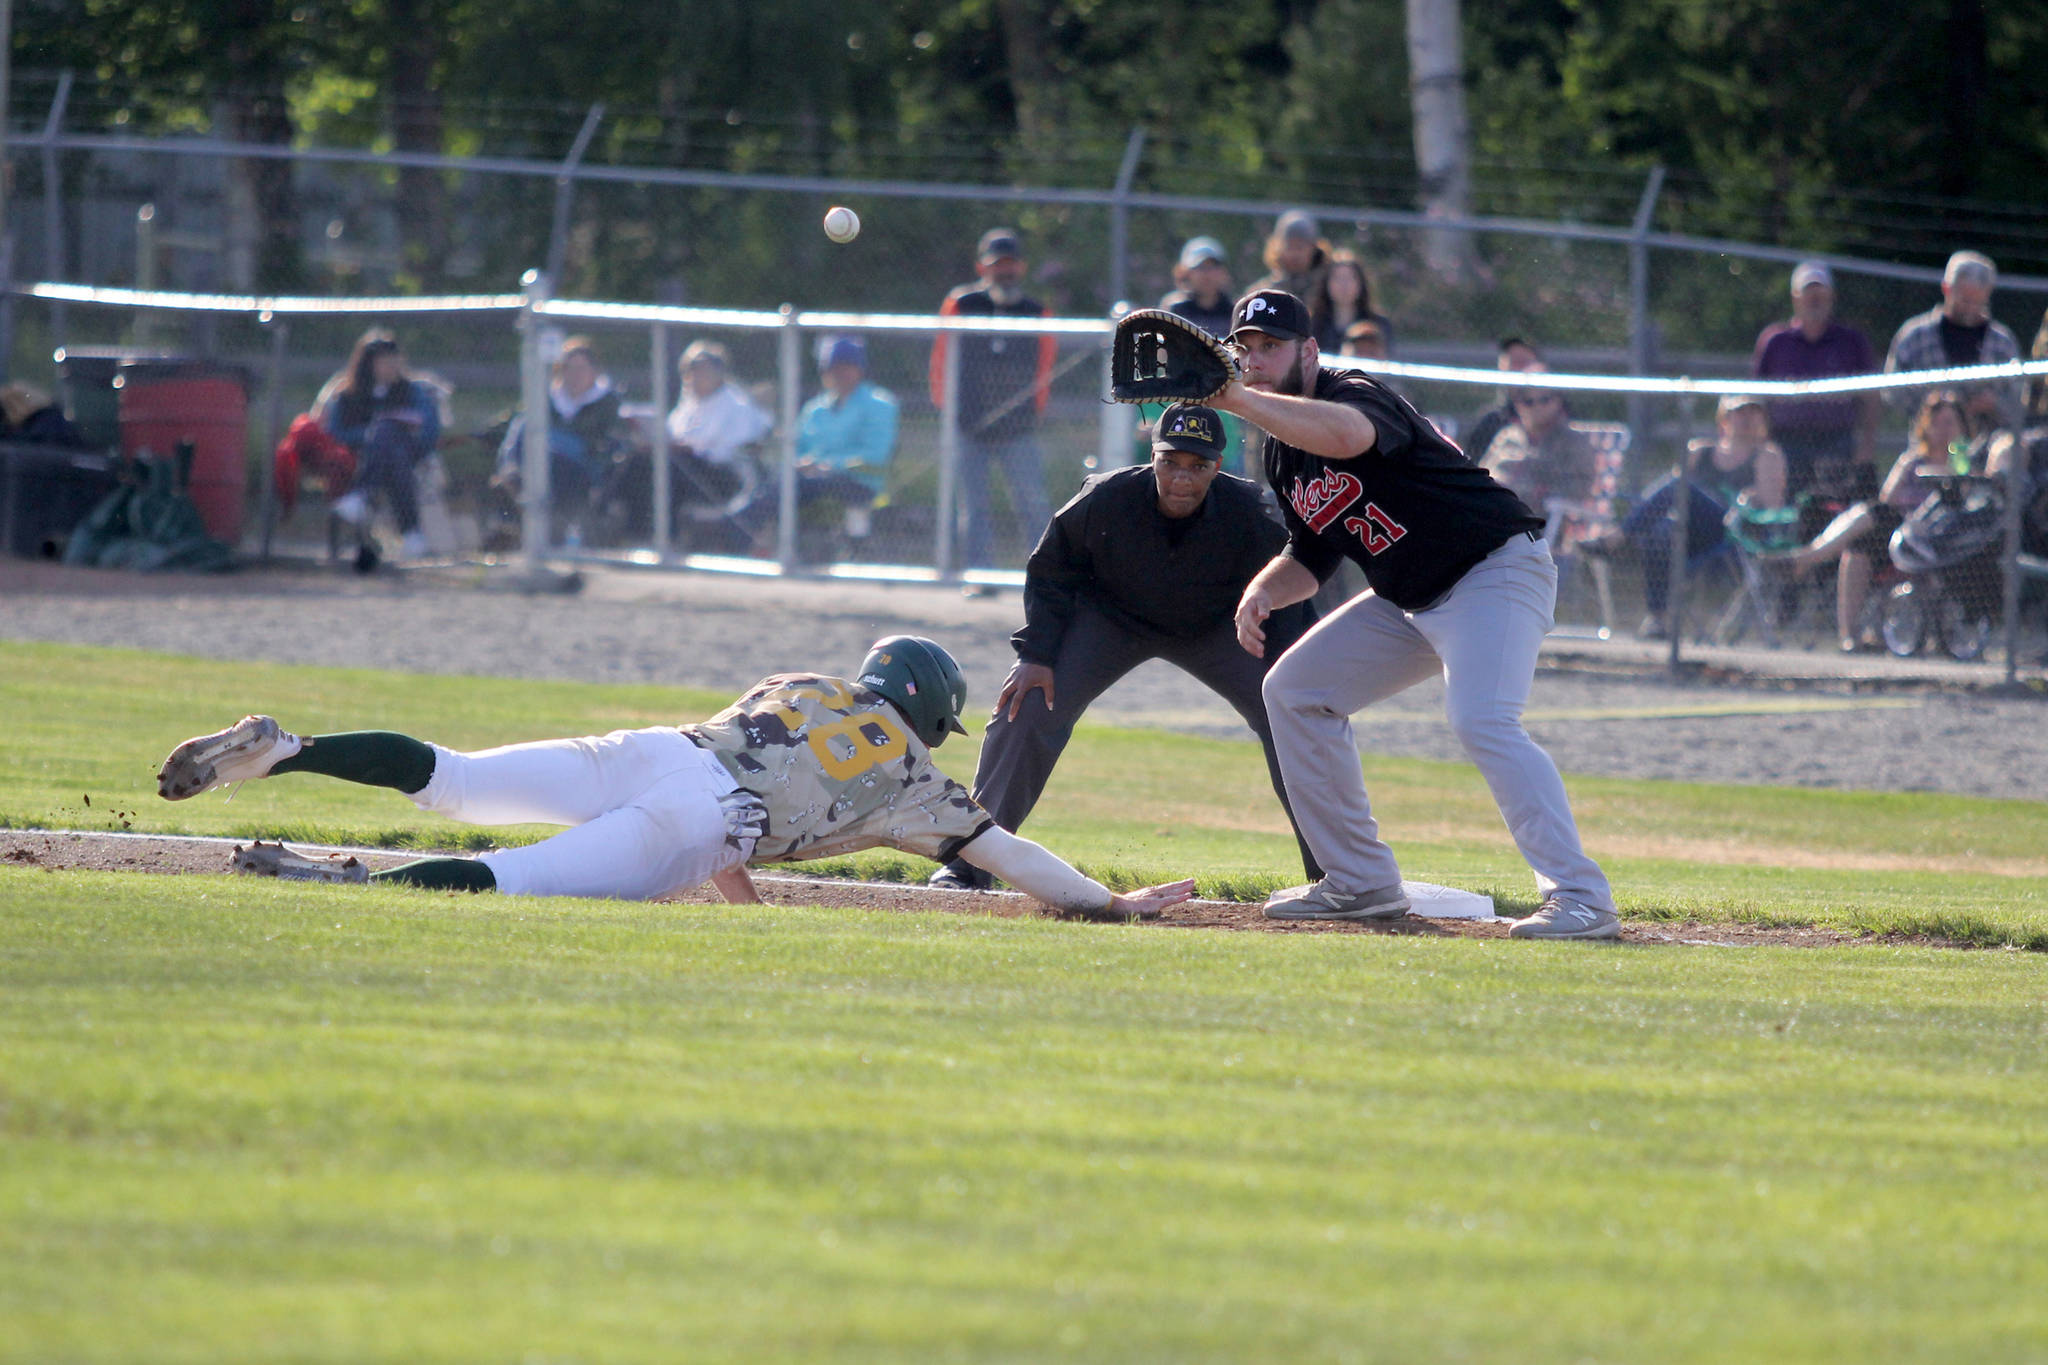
{"points": [[164, 402]]}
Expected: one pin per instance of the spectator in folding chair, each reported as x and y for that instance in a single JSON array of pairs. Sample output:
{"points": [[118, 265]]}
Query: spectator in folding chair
{"points": [[583, 431], [1858, 542], [1741, 463], [391, 422], [845, 437], [712, 426], [1539, 456], [1514, 355]]}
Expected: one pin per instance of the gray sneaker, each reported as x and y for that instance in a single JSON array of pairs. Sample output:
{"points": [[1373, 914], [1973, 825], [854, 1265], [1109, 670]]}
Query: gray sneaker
{"points": [[275, 860], [1318, 901], [1562, 917], [247, 749]]}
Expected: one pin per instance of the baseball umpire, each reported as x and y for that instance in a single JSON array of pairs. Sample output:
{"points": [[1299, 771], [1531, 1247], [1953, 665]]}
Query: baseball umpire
{"points": [[1461, 584], [804, 765], [1146, 562]]}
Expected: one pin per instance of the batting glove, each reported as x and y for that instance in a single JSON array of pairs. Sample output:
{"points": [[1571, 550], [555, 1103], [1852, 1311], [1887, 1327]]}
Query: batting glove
{"points": [[746, 818]]}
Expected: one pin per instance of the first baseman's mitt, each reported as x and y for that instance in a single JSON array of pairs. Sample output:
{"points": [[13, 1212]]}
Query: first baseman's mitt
{"points": [[1159, 356]]}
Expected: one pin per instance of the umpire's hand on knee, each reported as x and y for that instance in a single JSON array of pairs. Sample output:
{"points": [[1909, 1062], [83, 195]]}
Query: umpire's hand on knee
{"points": [[1023, 678]]}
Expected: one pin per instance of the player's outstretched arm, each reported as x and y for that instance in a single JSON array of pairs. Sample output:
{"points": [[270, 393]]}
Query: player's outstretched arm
{"points": [[1034, 870], [1336, 431]]}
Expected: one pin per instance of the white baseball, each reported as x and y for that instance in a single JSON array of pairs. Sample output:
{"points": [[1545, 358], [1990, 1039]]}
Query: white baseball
{"points": [[842, 224]]}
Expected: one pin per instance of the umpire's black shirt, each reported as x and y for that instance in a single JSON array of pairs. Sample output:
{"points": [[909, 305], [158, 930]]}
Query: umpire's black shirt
{"points": [[1413, 512], [1112, 547]]}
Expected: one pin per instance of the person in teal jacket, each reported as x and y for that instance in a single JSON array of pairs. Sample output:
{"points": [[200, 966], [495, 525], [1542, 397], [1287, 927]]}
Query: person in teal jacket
{"points": [[845, 436]]}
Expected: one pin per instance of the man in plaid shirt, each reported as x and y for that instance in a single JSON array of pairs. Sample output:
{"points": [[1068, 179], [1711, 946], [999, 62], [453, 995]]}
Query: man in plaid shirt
{"points": [[1961, 332]]}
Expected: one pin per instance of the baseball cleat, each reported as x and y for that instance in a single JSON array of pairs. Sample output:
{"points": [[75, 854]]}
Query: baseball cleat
{"points": [[1562, 917], [249, 748], [275, 860], [1318, 900]]}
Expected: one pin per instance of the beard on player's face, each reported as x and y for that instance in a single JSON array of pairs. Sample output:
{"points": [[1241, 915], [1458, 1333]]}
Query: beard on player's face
{"points": [[1295, 382]]}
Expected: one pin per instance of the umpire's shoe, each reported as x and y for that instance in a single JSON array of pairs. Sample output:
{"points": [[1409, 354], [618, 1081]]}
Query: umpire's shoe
{"points": [[1318, 900], [959, 876], [249, 748]]}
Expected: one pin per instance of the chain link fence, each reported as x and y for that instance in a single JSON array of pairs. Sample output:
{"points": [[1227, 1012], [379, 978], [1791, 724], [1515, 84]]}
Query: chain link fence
{"points": [[962, 491]]}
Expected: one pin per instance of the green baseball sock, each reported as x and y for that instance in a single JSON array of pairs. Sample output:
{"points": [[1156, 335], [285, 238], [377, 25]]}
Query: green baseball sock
{"points": [[441, 874], [375, 758], [384, 758]]}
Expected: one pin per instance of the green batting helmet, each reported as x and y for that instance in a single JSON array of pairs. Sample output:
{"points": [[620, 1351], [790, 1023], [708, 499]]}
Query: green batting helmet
{"points": [[923, 681]]}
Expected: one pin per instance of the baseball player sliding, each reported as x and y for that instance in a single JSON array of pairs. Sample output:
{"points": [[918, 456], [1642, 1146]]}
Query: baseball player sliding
{"points": [[1461, 583], [804, 765]]}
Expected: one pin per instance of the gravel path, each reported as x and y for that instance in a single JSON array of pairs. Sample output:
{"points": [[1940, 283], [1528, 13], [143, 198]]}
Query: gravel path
{"points": [[1599, 709]]}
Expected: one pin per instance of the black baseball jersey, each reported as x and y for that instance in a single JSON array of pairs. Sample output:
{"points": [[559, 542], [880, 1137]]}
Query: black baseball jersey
{"points": [[1412, 511]]}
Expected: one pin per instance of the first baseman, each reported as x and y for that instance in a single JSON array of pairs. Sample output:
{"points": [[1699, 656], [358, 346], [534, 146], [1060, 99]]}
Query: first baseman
{"points": [[1461, 584], [804, 765], [1146, 562]]}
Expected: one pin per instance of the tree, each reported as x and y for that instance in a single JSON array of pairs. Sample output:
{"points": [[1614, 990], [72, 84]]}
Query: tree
{"points": [[1443, 140]]}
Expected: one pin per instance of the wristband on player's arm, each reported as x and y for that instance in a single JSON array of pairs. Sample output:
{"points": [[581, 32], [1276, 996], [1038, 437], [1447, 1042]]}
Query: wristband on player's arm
{"points": [[1036, 871]]}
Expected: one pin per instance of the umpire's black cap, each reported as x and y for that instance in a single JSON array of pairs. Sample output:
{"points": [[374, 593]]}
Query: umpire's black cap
{"points": [[1275, 312], [1190, 427]]}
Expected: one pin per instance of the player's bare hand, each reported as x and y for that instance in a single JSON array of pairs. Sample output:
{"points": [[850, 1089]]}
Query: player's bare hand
{"points": [[1149, 902], [1023, 680], [1252, 610]]}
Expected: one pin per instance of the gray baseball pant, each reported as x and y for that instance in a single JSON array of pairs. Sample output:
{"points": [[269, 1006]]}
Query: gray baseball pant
{"points": [[1483, 637], [1018, 756]]}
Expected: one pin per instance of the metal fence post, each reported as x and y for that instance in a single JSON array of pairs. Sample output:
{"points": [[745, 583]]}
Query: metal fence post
{"points": [[944, 551], [280, 330], [1113, 428], [792, 380], [565, 192], [2017, 479], [53, 204], [1681, 525], [1639, 339], [535, 505], [658, 472], [1120, 215]]}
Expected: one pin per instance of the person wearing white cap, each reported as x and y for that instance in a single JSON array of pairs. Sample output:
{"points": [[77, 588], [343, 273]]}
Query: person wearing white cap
{"points": [[1829, 442], [1201, 286], [1961, 331]]}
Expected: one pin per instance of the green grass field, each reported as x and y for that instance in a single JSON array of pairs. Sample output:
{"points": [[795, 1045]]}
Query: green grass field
{"points": [[244, 1120]]}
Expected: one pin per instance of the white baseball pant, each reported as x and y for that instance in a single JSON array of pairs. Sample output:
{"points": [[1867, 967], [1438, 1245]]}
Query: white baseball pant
{"points": [[643, 803], [1483, 637]]}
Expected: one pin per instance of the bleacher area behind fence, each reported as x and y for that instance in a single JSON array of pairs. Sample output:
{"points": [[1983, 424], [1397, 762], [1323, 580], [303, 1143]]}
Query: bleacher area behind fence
{"points": [[1975, 587]]}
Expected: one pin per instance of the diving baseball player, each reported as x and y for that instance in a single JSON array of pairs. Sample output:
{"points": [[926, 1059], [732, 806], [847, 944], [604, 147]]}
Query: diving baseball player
{"points": [[804, 765], [1461, 584]]}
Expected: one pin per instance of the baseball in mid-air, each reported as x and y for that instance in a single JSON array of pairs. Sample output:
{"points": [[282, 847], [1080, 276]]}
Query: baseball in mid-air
{"points": [[842, 224]]}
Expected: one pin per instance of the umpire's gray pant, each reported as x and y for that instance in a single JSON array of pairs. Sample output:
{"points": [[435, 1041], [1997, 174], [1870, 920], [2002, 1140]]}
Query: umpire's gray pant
{"points": [[1483, 638], [1018, 756]]}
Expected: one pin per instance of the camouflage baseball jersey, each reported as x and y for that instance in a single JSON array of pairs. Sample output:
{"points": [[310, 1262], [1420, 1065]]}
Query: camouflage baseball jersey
{"points": [[838, 770]]}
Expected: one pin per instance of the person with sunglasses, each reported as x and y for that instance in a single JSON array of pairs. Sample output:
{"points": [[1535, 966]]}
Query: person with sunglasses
{"points": [[1539, 455]]}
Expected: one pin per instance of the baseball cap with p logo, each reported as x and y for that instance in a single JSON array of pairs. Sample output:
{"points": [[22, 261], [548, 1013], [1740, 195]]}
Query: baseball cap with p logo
{"points": [[1275, 312], [1190, 427]]}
